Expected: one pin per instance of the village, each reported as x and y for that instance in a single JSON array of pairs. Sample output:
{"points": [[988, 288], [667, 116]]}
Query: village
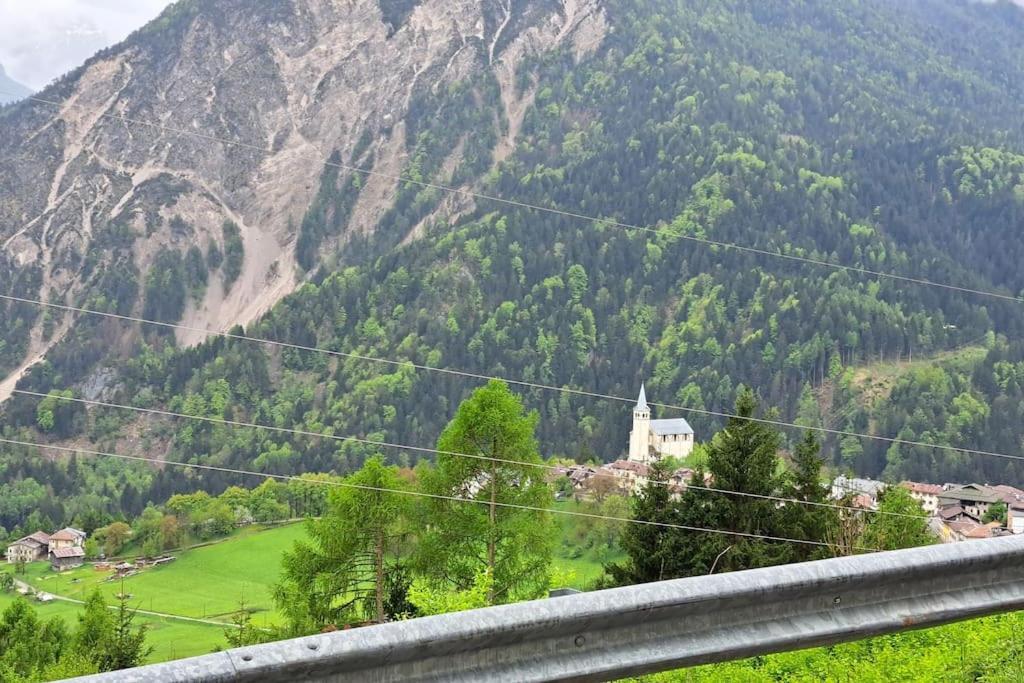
{"points": [[957, 512]]}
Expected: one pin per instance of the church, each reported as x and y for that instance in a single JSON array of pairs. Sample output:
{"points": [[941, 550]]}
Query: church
{"points": [[651, 440]]}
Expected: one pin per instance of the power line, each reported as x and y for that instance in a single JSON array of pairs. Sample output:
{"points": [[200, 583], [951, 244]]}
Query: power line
{"points": [[518, 382], [422, 494], [551, 210], [420, 449]]}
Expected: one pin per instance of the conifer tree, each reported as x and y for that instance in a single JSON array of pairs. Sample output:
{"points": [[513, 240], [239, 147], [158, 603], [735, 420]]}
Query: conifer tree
{"points": [[807, 521], [125, 646], [647, 546], [340, 575], [743, 458]]}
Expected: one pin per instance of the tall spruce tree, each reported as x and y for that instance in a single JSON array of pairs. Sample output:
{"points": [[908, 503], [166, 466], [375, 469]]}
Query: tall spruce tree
{"points": [[811, 520], [648, 546], [743, 458]]}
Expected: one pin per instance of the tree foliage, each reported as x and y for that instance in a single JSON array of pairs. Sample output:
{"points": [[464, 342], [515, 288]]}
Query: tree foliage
{"points": [[508, 534]]}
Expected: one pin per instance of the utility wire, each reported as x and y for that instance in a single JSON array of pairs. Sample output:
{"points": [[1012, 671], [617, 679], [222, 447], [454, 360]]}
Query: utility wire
{"points": [[517, 382], [421, 494], [421, 449], [547, 209]]}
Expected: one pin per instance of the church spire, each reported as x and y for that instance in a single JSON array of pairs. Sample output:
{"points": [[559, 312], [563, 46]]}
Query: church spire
{"points": [[641, 401]]}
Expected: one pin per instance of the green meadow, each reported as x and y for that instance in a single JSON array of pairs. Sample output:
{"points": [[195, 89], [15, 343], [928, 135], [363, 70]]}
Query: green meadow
{"points": [[169, 638], [208, 582], [212, 581]]}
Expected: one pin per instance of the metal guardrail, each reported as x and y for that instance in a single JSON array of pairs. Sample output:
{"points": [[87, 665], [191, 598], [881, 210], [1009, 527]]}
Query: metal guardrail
{"points": [[641, 629]]}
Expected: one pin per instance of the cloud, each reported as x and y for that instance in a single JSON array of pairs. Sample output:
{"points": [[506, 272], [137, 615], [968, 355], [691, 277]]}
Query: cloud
{"points": [[42, 39]]}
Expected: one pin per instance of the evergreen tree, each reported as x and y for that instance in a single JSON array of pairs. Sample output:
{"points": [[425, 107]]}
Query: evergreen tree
{"points": [[648, 546], [340, 575], [125, 646], [514, 545], [804, 483], [95, 624], [743, 457]]}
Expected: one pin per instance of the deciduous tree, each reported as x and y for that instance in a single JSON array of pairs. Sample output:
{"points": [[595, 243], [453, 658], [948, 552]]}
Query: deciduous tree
{"points": [[507, 531]]}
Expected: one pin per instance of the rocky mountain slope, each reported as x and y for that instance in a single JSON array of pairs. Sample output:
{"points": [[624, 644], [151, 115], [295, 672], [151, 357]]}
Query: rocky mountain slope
{"points": [[90, 186]]}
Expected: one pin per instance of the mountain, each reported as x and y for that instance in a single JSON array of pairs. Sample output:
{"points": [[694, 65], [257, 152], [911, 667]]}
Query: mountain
{"points": [[10, 89], [883, 136], [90, 194]]}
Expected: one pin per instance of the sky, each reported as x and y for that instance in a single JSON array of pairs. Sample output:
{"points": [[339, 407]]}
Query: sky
{"points": [[42, 39]]}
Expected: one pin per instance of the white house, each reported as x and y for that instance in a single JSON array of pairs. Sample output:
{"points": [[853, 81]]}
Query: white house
{"points": [[650, 440], [842, 486], [1016, 521], [926, 494], [631, 475]]}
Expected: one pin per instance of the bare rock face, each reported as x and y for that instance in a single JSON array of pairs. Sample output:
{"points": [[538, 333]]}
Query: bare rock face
{"points": [[226, 111]]}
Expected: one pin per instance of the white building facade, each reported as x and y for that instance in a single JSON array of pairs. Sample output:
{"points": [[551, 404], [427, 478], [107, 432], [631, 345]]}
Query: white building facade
{"points": [[1016, 518], [650, 440]]}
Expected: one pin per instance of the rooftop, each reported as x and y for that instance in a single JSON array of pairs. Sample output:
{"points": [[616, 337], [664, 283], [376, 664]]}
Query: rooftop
{"points": [[674, 426], [641, 401], [1009, 494], [870, 487], [630, 466], [62, 553], [975, 493], [927, 489]]}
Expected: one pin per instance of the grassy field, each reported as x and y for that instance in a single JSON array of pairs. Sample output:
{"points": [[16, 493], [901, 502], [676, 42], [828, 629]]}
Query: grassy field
{"points": [[170, 639], [586, 568], [206, 583], [211, 581]]}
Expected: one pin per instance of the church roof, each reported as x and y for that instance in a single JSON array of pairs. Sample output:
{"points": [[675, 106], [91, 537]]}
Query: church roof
{"points": [[641, 401], [675, 426]]}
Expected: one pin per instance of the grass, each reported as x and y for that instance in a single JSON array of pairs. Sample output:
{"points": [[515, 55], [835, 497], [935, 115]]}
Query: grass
{"points": [[588, 566], [210, 582], [206, 583], [169, 638]]}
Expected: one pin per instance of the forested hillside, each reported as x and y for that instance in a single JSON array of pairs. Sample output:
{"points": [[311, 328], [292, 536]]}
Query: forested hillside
{"points": [[879, 135]]}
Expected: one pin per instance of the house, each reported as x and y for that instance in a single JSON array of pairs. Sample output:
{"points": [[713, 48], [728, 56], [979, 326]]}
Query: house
{"points": [[843, 486], [579, 475], [29, 549], [975, 499], [1015, 521], [66, 538], [925, 494], [990, 530], [632, 476], [1009, 494], [67, 558], [681, 478], [651, 440], [955, 513], [941, 530], [23, 550], [864, 502]]}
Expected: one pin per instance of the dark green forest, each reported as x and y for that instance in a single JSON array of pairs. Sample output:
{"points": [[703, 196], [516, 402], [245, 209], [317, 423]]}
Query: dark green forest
{"points": [[879, 135]]}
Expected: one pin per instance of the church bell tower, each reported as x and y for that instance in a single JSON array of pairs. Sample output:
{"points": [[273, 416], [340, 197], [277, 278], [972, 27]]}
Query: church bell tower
{"points": [[639, 437]]}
